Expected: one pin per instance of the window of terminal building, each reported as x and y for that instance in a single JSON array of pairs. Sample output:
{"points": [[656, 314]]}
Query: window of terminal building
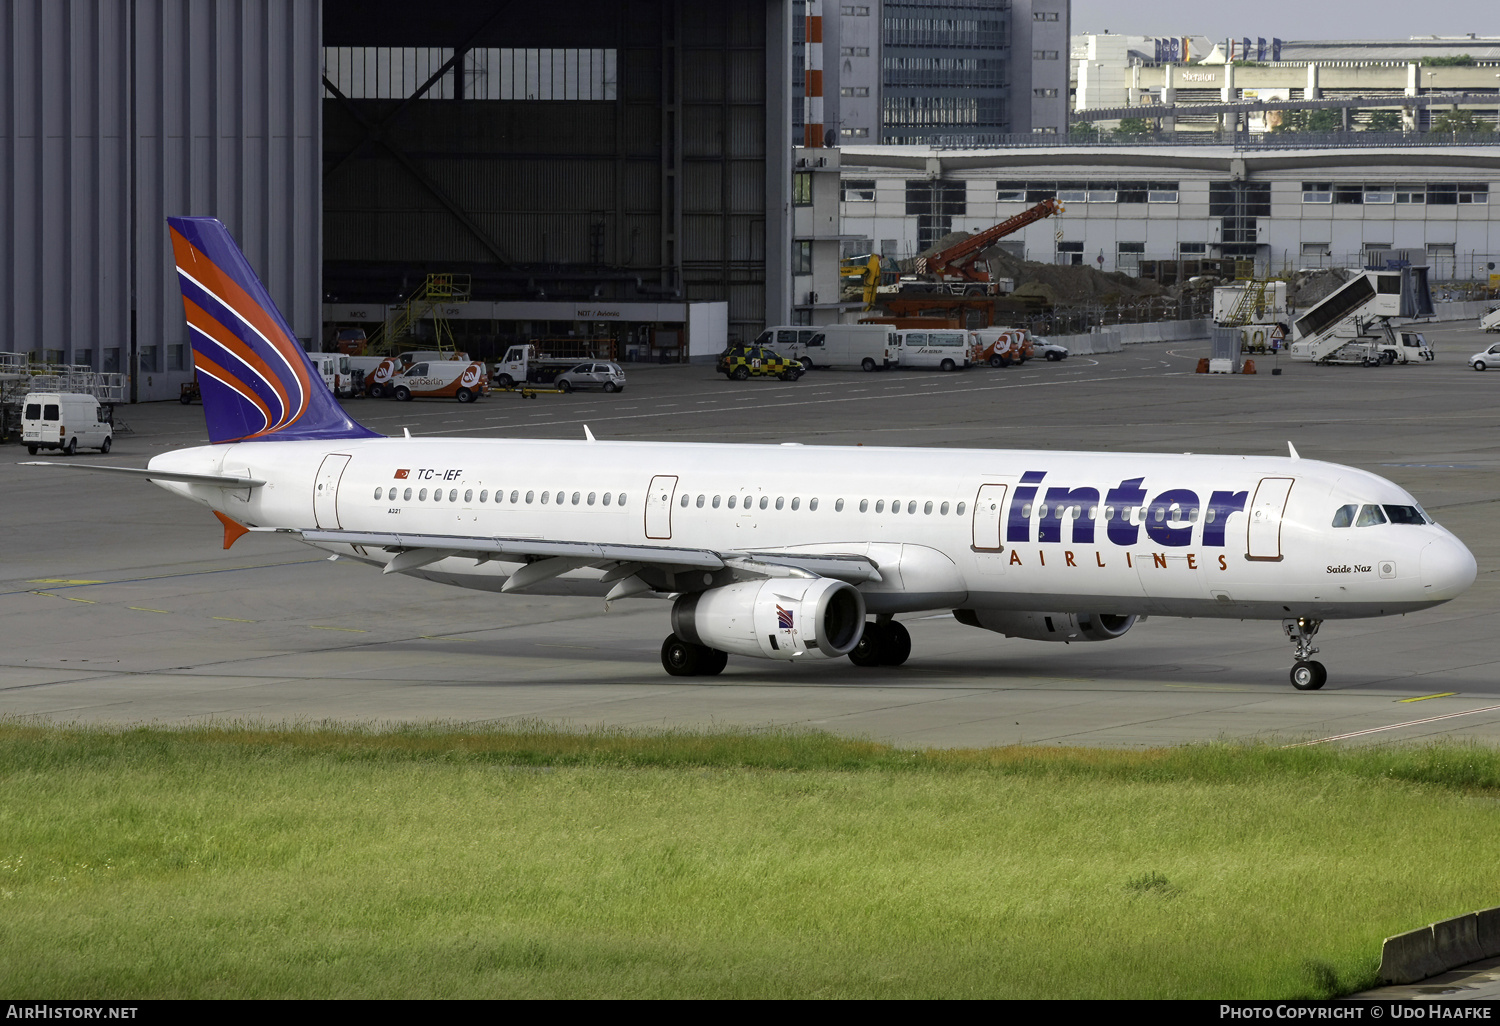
{"points": [[854, 51], [1043, 15], [1044, 93], [854, 91], [1379, 194], [1038, 191], [1044, 55], [1070, 253], [802, 258], [1162, 192], [1445, 195], [802, 189], [1473, 193], [854, 133], [1315, 254], [1239, 199], [1073, 192], [1045, 130], [111, 360], [1347, 194], [1190, 250], [1317, 192], [851, 11], [1131, 192], [857, 190], [1411, 194], [1103, 192], [1010, 192], [174, 357], [1129, 254]]}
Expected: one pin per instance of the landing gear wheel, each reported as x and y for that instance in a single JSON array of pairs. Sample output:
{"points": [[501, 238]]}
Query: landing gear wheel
{"points": [[897, 644], [870, 649], [867, 364], [403, 394], [104, 445], [681, 658], [1309, 675], [465, 396], [713, 663]]}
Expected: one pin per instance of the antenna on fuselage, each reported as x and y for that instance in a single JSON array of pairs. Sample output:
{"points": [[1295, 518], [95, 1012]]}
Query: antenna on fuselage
{"points": [[587, 433], [1293, 450]]}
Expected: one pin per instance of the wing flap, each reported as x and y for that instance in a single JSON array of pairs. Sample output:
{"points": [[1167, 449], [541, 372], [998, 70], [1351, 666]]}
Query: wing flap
{"points": [[589, 552]]}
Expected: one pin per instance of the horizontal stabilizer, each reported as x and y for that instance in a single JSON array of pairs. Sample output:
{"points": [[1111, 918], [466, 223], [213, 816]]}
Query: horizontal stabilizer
{"points": [[222, 480]]}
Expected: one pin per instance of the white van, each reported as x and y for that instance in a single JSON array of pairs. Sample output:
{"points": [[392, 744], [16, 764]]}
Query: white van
{"points": [[336, 372], [866, 346], [949, 349], [64, 420]]}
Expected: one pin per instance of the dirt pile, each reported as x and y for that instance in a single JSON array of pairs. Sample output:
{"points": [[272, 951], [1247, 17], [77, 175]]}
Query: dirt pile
{"points": [[1305, 288], [1062, 285]]}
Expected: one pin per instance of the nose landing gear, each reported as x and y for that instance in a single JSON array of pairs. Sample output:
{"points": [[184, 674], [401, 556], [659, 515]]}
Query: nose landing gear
{"points": [[1307, 673]]}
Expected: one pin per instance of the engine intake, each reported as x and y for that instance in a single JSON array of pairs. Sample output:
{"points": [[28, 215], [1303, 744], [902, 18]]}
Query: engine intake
{"points": [[1064, 627], [780, 618]]}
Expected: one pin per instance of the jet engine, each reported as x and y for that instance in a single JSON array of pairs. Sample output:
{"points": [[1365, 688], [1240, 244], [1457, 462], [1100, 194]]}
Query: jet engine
{"points": [[1063, 627], [780, 618]]}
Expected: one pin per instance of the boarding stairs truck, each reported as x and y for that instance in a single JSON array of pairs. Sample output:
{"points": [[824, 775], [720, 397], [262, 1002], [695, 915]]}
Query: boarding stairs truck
{"points": [[1491, 320], [1351, 325]]}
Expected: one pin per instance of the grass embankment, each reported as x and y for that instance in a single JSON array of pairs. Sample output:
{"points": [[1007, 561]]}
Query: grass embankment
{"points": [[450, 862]]}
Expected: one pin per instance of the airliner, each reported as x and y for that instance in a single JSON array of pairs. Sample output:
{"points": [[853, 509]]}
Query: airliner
{"points": [[791, 551]]}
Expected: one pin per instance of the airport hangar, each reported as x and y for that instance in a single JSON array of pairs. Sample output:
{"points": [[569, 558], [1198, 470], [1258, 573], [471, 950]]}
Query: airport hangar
{"points": [[607, 161]]}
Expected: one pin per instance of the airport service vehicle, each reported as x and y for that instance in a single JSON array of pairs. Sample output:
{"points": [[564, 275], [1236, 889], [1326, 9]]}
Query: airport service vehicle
{"points": [[869, 347], [1487, 359], [1352, 324], [598, 374], [1491, 320], [66, 421], [789, 552], [440, 379], [740, 363], [789, 341], [523, 363], [997, 347], [1051, 350], [943, 350], [337, 373], [1404, 346]]}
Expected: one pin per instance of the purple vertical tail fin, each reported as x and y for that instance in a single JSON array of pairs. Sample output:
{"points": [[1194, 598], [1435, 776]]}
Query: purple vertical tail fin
{"points": [[257, 383]]}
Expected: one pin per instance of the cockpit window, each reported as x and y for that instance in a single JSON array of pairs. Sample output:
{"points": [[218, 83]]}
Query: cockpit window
{"points": [[1405, 515], [1345, 516], [1369, 516]]}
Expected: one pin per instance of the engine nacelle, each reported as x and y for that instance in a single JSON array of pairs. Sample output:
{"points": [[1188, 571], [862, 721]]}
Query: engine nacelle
{"points": [[1048, 626], [780, 618]]}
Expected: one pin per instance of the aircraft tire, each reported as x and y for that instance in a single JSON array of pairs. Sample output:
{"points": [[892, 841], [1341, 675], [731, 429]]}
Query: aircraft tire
{"points": [[897, 647], [681, 658], [870, 649], [1309, 675], [713, 662]]}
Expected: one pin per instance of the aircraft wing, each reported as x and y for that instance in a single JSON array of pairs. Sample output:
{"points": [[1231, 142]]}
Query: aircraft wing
{"points": [[619, 561]]}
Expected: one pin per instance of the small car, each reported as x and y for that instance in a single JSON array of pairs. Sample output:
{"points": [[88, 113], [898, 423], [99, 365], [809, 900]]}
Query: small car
{"points": [[1489, 358], [1051, 350], [606, 376], [741, 362]]}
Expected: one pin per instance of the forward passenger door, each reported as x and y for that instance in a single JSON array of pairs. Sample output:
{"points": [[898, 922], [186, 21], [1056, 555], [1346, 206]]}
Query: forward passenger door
{"points": [[659, 506]]}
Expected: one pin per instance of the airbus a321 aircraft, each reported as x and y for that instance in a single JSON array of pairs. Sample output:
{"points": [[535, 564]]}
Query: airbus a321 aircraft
{"points": [[790, 551]]}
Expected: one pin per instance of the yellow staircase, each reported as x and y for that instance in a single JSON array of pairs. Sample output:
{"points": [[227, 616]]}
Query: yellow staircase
{"points": [[425, 302]]}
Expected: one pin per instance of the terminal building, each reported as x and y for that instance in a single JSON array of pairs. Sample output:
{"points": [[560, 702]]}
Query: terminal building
{"points": [[1285, 209]]}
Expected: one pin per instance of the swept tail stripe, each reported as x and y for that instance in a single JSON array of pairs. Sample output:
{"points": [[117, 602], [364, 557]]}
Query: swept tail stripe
{"points": [[209, 276], [204, 365], [226, 336]]}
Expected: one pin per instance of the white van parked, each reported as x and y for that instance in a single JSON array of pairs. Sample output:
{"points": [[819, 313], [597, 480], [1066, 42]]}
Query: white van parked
{"points": [[947, 350], [64, 420], [866, 346]]}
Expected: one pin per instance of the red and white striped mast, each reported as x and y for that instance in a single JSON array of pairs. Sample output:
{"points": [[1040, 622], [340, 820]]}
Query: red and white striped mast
{"points": [[812, 104]]}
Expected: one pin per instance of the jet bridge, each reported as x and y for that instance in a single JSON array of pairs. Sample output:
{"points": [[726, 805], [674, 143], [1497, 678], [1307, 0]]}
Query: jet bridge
{"points": [[1352, 323]]}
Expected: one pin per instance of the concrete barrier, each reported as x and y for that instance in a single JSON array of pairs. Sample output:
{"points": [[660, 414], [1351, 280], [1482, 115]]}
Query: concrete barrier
{"points": [[1418, 954], [1088, 345]]}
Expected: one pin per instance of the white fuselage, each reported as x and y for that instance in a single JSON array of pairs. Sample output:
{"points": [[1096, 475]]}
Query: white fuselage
{"points": [[1225, 536]]}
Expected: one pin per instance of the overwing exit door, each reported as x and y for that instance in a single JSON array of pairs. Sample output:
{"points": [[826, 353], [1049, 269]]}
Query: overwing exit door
{"points": [[659, 506]]}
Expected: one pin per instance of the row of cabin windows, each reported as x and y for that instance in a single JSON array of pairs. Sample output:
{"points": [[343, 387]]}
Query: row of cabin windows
{"points": [[748, 502], [516, 498], [1174, 512]]}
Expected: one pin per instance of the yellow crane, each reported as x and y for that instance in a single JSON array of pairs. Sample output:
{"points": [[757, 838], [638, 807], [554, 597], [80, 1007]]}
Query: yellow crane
{"points": [[866, 268]]}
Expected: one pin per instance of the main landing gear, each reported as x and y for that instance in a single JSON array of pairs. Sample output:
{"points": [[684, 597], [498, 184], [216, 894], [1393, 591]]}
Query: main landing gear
{"points": [[1307, 673], [885, 642], [685, 659]]}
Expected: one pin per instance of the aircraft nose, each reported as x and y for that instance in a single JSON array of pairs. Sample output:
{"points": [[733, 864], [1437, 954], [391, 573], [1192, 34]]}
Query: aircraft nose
{"points": [[1448, 568]]}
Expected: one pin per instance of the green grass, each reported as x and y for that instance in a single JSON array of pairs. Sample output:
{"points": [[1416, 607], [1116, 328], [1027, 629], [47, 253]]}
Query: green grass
{"points": [[449, 861]]}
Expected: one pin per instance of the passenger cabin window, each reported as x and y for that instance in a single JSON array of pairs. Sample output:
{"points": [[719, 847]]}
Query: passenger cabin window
{"points": [[1369, 516]]}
